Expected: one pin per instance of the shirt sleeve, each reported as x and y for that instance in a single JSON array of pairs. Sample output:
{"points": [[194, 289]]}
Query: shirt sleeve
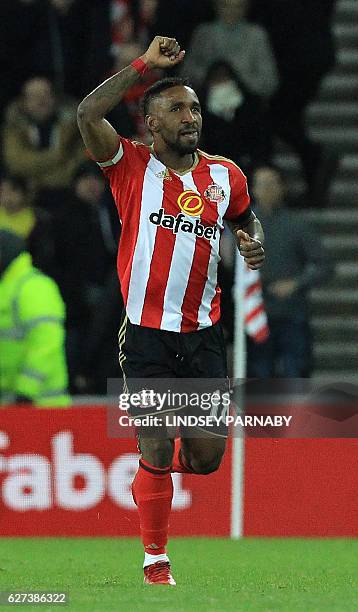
{"points": [[114, 158], [239, 205], [121, 159]]}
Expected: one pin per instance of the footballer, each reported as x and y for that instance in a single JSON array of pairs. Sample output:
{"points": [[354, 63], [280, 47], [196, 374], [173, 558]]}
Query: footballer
{"points": [[172, 200]]}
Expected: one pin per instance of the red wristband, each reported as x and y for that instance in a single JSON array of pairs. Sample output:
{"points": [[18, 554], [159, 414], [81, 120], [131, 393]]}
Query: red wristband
{"points": [[140, 66]]}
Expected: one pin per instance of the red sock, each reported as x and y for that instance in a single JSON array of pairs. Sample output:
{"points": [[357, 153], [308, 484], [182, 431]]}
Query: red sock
{"points": [[152, 490], [179, 464]]}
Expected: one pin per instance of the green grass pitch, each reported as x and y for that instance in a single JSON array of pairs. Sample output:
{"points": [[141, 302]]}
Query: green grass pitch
{"points": [[103, 574]]}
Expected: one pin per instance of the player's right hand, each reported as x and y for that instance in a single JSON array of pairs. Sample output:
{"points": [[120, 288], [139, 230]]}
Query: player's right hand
{"points": [[163, 52]]}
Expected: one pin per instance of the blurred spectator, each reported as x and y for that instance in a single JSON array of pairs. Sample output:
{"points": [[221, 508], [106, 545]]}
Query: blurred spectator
{"points": [[295, 262], [301, 36], [145, 13], [41, 140], [233, 118], [131, 27], [124, 48], [32, 224], [232, 38], [32, 357], [125, 45], [16, 212], [86, 245]]}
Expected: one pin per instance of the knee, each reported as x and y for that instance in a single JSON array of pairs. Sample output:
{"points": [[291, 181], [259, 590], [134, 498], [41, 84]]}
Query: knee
{"points": [[205, 464], [158, 452]]}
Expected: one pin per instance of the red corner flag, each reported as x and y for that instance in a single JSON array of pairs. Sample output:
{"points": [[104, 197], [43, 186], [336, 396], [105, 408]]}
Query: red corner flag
{"points": [[254, 314], [254, 308]]}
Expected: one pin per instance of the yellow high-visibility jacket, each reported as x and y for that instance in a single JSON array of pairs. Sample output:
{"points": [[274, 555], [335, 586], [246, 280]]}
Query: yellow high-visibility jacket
{"points": [[32, 354]]}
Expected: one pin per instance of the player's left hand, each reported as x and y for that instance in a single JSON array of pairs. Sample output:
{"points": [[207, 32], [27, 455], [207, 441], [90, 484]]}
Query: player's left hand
{"points": [[251, 249]]}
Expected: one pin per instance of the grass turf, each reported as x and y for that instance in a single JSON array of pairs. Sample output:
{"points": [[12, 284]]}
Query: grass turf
{"points": [[103, 574]]}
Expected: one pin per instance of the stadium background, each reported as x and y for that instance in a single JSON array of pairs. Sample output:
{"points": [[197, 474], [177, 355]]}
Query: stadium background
{"points": [[60, 473]]}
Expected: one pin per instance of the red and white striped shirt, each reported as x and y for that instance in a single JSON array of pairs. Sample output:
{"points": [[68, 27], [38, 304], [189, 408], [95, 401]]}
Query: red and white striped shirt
{"points": [[171, 227]]}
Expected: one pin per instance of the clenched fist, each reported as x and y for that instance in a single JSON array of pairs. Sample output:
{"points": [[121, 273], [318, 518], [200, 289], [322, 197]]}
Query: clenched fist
{"points": [[163, 52]]}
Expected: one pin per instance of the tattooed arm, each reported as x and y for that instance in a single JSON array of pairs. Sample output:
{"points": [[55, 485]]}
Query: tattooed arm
{"points": [[98, 135]]}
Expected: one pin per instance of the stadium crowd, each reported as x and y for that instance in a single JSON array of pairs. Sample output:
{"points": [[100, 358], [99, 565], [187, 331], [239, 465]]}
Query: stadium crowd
{"points": [[256, 65]]}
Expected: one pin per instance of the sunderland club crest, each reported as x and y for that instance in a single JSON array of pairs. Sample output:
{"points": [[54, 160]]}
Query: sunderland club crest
{"points": [[215, 193]]}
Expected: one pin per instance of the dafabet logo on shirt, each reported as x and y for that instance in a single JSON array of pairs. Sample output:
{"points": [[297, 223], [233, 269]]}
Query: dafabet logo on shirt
{"points": [[182, 224], [192, 205]]}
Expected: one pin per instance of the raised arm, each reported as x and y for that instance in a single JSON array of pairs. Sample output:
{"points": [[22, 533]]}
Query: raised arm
{"points": [[98, 135]]}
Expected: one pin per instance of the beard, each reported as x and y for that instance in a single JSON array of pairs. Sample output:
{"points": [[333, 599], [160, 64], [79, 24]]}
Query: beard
{"points": [[182, 147]]}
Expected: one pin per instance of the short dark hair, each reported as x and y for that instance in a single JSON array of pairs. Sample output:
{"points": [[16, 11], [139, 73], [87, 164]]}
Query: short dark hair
{"points": [[156, 89]]}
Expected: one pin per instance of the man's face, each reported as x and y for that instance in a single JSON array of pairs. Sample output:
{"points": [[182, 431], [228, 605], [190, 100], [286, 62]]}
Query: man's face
{"points": [[12, 197], [231, 11], [268, 188], [39, 100], [175, 116]]}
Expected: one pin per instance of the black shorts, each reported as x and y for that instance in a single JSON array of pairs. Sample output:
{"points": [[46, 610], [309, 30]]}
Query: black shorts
{"points": [[195, 362]]}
